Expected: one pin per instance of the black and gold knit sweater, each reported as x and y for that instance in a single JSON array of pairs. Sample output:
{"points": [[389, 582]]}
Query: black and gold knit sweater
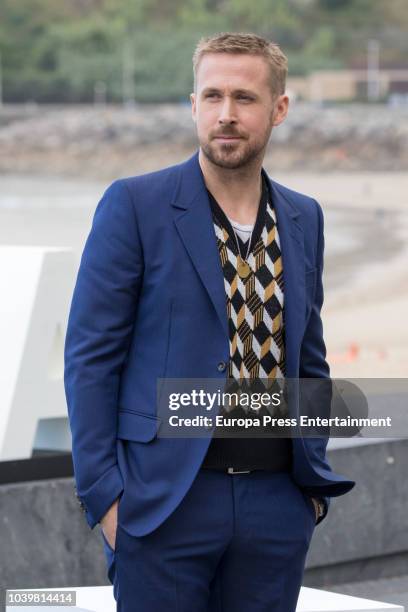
{"points": [[256, 331]]}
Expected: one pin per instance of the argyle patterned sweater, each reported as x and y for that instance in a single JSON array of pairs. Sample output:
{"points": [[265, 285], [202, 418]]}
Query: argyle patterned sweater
{"points": [[256, 332]]}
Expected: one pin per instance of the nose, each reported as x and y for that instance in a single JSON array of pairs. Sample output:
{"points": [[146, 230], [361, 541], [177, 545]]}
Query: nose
{"points": [[227, 112]]}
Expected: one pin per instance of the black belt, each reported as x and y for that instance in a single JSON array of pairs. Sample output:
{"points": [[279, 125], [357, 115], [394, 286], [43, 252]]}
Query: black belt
{"points": [[245, 455], [231, 470]]}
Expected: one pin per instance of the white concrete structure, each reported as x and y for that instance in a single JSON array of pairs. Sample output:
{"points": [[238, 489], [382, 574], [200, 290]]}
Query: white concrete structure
{"points": [[100, 599], [35, 287]]}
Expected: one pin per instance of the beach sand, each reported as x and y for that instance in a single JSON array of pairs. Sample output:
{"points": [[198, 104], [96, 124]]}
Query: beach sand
{"points": [[365, 317]]}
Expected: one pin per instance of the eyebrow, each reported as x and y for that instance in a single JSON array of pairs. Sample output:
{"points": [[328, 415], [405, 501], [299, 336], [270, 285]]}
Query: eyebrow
{"points": [[246, 92]]}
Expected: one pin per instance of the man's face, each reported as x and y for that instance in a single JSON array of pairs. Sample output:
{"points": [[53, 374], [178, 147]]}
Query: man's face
{"points": [[234, 109]]}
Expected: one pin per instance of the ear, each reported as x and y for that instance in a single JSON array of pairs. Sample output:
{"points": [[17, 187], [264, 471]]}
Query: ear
{"points": [[280, 109], [193, 106]]}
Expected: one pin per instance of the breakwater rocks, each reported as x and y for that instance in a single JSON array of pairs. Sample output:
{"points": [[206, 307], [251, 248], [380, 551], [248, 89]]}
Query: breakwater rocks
{"points": [[110, 141]]}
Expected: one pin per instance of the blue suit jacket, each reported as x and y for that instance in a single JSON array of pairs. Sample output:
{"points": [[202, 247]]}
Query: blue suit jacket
{"points": [[149, 303]]}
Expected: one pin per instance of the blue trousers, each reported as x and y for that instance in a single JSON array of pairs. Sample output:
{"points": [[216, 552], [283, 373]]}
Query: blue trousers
{"points": [[235, 543]]}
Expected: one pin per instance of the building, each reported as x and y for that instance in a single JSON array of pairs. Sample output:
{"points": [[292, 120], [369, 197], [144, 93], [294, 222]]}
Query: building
{"points": [[348, 85]]}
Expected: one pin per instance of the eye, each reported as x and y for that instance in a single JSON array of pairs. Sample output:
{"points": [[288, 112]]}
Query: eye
{"points": [[244, 97], [212, 94]]}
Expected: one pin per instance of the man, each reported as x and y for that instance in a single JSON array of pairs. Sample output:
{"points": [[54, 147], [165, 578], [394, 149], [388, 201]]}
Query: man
{"points": [[210, 270]]}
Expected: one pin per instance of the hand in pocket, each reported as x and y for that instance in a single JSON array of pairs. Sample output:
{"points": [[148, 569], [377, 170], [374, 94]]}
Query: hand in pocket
{"points": [[109, 524]]}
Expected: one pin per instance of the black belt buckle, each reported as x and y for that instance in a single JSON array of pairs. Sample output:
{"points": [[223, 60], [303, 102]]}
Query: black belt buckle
{"points": [[231, 470]]}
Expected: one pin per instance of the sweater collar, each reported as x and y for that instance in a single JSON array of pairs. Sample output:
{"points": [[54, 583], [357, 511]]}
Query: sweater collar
{"points": [[222, 218]]}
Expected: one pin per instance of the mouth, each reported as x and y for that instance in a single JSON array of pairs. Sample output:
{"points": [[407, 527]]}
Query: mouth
{"points": [[222, 138]]}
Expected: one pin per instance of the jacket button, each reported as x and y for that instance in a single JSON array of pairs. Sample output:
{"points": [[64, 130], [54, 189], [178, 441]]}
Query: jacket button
{"points": [[222, 366], [80, 502]]}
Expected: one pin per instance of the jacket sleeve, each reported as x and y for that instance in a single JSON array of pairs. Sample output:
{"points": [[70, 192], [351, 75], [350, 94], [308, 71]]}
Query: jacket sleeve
{"points": [[313, 362], [98, 335]]}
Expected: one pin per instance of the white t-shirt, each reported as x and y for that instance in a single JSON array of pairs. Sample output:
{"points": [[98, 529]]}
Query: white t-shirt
{"points": [[243, 231]]}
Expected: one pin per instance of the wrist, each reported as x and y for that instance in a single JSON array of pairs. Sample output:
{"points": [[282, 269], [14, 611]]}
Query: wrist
{"points": [[319, 506], [112, 511]]}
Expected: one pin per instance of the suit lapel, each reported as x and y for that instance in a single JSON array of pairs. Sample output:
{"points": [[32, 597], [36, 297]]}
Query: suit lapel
{"points": [[193, 220], [293, 260]]}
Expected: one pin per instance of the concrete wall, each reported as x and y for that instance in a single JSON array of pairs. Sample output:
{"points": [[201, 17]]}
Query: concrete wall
{"points": [[365, 534]]}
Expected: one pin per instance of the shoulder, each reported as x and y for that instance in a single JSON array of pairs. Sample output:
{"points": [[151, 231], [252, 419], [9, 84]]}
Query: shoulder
{"points": [[151, 182], [145, 192], [301, 202], [309, 209]]}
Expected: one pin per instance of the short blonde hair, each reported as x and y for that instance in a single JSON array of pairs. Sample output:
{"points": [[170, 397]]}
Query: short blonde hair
{"points": [[250, 44]]}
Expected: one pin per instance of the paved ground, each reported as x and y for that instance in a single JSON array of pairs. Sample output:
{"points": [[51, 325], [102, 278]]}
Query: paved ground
{"points": [[390, 590]]}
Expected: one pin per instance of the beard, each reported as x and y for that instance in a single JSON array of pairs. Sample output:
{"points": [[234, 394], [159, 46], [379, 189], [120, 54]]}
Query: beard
{"points": [[234, 155]]}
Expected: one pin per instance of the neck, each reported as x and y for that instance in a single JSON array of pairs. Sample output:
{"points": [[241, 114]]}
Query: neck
{"points": [[237, 191]]}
